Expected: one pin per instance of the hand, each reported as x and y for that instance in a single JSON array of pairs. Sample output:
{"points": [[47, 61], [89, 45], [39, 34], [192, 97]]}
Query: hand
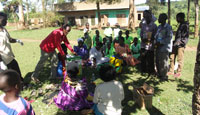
{"points": [[74, 53], [19, 41]]}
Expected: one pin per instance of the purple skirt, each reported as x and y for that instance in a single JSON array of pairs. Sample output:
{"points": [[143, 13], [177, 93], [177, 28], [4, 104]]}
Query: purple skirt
{"points": [[73, 98]]}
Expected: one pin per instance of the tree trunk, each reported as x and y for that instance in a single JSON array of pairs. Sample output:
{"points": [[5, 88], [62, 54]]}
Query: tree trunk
{"points": [[169, 12], [27, 11], [21, 16], [44, 12], [188, 11], [131, 20], [196, 80], [98, 13], [196, 29]]}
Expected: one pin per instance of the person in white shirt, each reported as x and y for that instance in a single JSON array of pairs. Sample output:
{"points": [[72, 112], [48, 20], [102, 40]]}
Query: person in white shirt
{"points": [[6, 53], [96, 55], [116, 30], [108, 33], [108, 95]]}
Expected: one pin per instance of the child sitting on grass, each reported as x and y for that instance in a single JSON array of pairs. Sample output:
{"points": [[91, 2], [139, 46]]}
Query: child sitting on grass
{"points": [[73, 92], [108, 95], [10, 102]]}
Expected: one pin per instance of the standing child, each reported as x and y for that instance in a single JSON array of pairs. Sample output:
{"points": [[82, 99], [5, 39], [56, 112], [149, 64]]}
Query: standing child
{"points": [[128, 39], [61, 62], [97, 38], [108, 95], [73, 92], [135, 48], [10, 102], [163, 42]]}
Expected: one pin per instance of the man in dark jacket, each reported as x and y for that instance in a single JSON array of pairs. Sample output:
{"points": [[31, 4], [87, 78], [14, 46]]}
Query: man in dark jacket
{"points": [[179, 44]]}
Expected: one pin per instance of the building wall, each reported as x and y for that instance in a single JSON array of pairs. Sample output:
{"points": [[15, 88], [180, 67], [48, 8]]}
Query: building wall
{"points": [[111, 16], [79, 15]]}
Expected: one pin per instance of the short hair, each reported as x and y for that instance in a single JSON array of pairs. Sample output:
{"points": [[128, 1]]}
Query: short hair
{"points": [[99, 44], [13, 78], [97, 31], [65, 26], [3, 14], [181, 15], [107, 73], [164, 16], [72, 70], [87, 24], [127, 32]]}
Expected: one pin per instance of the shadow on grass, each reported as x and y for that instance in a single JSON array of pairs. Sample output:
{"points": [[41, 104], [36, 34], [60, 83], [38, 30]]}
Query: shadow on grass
{"points": [[184, 86]]}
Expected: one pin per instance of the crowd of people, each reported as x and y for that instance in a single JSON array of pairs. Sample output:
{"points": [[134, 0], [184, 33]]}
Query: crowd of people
{"points": [[150, 51]]}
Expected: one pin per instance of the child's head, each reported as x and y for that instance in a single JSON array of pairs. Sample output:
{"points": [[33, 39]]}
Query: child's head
{"points": [[72, 70], [98, 46], [127, 32], [108, 24], [120, 33], [97, 32], [180, 17], [162, 18], [3, 19], [135, 40], [147, 16], [64, 48], [10, 81], [80, 42], [117, 25], [107, 73], [104, 40], [87, 25]]}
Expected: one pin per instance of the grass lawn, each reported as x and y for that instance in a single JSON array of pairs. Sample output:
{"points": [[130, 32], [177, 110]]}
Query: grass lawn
{"points": [[171, 98]]}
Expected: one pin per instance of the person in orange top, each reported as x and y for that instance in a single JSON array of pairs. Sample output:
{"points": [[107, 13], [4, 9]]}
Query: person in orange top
{"points": [[48, 46]]}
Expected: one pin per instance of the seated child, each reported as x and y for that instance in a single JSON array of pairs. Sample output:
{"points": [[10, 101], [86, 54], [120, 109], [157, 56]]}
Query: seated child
{"points": [[97, 38], [104, 46], [81, 49], [128, 39], [61, 62], [87, 40], [135, 48], [73, 92], [10, 102], [108, 95], [96, 55]]}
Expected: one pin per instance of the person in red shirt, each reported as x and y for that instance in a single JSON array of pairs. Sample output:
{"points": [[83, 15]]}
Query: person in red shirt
{"points": [[48, 46]]}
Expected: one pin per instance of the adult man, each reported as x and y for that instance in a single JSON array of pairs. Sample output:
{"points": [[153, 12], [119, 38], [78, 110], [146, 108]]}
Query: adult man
{"points": [[181, 39], [48, 46], [6, 54]]}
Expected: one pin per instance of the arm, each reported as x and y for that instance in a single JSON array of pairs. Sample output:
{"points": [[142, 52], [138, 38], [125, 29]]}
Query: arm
{"points": [[12, 40], [184, 35], [68, 44]]}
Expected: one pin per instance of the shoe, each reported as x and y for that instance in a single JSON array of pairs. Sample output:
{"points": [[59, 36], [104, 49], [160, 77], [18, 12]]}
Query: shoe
{"points": [[170, 73], [35, 79], [177, 75]]}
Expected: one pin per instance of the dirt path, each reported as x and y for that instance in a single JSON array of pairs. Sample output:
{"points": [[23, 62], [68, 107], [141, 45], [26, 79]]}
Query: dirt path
{"points": [[190, 48]]}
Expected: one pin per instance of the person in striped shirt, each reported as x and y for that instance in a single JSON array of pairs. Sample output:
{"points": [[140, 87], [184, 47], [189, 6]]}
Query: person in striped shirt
{"points": [[10, 102]]}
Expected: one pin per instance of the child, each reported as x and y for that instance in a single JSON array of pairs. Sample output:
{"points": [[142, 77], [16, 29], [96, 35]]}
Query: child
{"points": [[61, 62], [135, 48], [10, 102], [163, 42], [116, 30], [128, 39], [97, 38], [108, 95], [73, 92], [87, 40], [81, 49], [108, 33]]}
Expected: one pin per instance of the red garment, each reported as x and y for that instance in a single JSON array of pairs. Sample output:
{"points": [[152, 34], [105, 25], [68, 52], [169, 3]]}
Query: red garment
{"points": [[54, 40]]}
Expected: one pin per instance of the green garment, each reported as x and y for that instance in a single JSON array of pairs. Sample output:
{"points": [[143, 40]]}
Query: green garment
{"points": [[110, 53], [88, 42], [136, 50], [128, 41], [94, 41]]}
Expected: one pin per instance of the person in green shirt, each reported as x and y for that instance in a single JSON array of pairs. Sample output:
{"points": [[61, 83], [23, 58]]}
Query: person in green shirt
{"points": [[87, 41], [128, 39], [97, 38], [135, 48], [109, 50]]}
